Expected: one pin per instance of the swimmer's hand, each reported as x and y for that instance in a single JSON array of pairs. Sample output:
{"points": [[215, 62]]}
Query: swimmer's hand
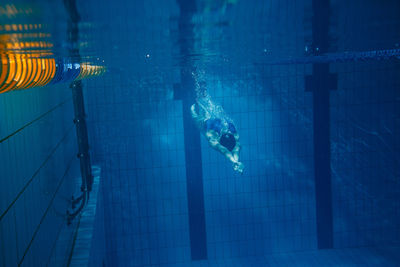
{"points": [[238, 166]]}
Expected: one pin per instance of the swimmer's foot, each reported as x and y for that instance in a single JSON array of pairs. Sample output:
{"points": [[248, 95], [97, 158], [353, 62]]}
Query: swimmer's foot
{"points": [[238, 166], [193, 111]]}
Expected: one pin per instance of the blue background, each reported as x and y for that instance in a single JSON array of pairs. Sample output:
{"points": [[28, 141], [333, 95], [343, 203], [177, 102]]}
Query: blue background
{"points": [[136, 134]]}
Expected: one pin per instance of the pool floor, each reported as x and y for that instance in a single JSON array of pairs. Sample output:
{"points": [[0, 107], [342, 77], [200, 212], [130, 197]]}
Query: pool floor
{"points": [[366, 256]]}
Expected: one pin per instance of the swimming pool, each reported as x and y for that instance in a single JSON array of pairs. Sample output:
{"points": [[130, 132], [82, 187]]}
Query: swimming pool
{"points": [[316, 108]]}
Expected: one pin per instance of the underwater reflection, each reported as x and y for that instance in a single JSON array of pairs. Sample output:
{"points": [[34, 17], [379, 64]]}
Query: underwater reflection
{"points": [[27, 58]]}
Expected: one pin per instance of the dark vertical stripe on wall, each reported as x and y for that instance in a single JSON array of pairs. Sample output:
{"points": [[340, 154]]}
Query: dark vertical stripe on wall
{"points": [[194, 173], [194, 185], [320, 83]]}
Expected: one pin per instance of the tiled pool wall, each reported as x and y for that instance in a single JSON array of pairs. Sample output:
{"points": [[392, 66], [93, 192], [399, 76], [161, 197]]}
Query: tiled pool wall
{"points": [[39, 173]]}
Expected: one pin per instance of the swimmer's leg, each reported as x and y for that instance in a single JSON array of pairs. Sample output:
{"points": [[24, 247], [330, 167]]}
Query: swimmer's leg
{"points": [[197, 115], [201, 111], [201, 105], [193, 111]]}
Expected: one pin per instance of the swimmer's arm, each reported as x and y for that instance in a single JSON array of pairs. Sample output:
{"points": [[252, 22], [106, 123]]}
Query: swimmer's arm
{"points": [[236, 152], [213, 140], [232, 156], [236, 149], [237, 165]]}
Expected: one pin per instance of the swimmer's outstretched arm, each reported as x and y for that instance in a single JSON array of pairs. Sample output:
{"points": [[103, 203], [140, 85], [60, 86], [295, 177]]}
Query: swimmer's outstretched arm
{"points": [[236, 149], [237, 165], [232, 156]]}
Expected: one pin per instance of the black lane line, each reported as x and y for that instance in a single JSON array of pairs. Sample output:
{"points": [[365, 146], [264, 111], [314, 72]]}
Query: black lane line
{"points": [[192, 144], [320, 83]]}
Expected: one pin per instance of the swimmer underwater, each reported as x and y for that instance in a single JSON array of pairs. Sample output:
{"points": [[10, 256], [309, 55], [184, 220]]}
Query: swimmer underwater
{"points": [[217, 127]]}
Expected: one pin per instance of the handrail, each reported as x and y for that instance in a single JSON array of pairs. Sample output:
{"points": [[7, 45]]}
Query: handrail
{"points": [[79, 120]]}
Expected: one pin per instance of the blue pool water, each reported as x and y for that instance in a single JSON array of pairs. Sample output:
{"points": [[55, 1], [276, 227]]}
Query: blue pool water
{"points": [[312, 87]]}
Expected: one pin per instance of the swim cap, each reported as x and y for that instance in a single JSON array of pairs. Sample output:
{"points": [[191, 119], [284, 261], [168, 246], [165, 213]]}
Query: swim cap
{"points": [[228, 141]]}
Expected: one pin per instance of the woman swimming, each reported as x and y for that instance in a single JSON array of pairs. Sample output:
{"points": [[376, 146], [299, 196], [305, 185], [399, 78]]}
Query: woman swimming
{"points": [[217, 127]]}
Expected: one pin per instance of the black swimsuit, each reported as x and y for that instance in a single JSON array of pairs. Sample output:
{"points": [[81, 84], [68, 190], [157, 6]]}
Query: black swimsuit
{"points": [[216, 125]]}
